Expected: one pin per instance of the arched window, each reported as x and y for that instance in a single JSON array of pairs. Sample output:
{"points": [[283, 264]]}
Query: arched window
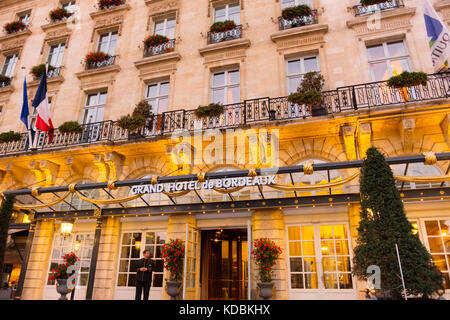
{"points": [[416, 170], [76, 203], [318, 177]]}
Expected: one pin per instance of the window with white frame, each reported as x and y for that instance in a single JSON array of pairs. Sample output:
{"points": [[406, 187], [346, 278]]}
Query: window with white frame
{"points": [[296, 68], [388, 59], [69, 6], [225, 87], [79, 243], [131, 248], [327, 243], [107, 42], [227, 12], [191, 262], [95, 107], [9, 64], [438, 242], [157, 95], [55, 54], [24, 17], [292, 3], [165, 27]]}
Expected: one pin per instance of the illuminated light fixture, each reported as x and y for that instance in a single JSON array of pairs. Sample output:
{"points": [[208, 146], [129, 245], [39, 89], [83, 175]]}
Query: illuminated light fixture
{"points": [[66, 227], [415, 228], [26, 219], [137, 244], [324, 249], [77, 246], [203, 212], [218, 211]]}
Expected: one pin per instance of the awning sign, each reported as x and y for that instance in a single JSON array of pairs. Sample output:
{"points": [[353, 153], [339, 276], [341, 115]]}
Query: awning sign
{"points": [[223, 183]]}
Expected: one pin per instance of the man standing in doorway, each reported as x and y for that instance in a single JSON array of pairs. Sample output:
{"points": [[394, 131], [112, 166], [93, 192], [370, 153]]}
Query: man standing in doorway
{"points": [[144, 269]]}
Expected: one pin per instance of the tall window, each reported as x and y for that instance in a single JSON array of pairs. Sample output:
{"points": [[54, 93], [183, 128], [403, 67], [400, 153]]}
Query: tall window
{"points": [[296, 68], [157, 95], [9, 65], [293, 3], [95, 107], [55, 54], [133, 243], [165, 27], [227, 12], [79, 243], [107, 42], [388, 59], [438, 241], [225, 87], [69, 6], [327, 244]]}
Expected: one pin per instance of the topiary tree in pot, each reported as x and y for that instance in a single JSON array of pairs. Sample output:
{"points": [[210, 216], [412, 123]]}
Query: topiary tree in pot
{"points": [[310, 93], [141, 116]]}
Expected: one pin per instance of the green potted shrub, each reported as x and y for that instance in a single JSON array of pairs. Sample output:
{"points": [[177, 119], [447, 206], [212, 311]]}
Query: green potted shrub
{"points": [[266, 254], [407, 79], [302, 10], [211, 110], [10, 136], [141, 116], [70, 127], [38, 71], [310, 93], [222, 26]]}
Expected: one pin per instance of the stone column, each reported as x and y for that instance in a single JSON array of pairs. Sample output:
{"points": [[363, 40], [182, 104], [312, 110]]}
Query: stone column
{"points": [[105, 277], [269, 223], [354, 218], [37, 271], [176, 229]]}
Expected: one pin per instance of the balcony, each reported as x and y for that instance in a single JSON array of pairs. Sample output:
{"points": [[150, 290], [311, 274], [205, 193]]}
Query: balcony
{"points": [[160, 49], [384, 6], [262, 110], [215, 37], [284, 24], [50, 74], [5, 82], [96, 65]]}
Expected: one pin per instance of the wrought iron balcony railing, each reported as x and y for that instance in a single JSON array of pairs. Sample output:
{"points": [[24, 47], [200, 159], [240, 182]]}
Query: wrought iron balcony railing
{"points": [[388, 5], [284, 24], [160, 49], [112, 5], [214, 37], [343, 99], [108, 62], [50, 73]]}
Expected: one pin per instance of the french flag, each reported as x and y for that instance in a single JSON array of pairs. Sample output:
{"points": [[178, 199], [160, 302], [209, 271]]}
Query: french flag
{"points": [[40, 102]]}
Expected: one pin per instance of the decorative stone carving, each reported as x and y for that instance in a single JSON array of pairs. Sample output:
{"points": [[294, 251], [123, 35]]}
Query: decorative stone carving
{"points": [[12, 44], [348, 135], [301, 36], [160, 6], [365, 138]]}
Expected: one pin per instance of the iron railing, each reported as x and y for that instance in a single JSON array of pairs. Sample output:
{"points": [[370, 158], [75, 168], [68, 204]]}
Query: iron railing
{"points": [[5, 82], [214, 37], [388, 5], [160, 49], [50, 73], [284, 24], [108, 62], [343, 99]]}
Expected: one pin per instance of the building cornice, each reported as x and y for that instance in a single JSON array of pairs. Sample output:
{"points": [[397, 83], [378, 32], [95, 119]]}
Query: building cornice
{"points": [[105, 12], [224, 45], [396, 13], [299, 32]]}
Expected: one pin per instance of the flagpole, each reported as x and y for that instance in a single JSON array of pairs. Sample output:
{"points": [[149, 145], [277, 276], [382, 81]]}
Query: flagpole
{"points": [[30, 138]]}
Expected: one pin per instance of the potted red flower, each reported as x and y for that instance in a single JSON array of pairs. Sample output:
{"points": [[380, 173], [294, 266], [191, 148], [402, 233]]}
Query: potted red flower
{"points": [[173, 254], [155, 40], [302, 10], [266, 254], [14, 26], [96, 57], [62, 273], [371, 2], [59, 14], [222, 26], [106, 4]]}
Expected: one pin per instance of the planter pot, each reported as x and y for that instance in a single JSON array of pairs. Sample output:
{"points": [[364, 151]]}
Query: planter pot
{"points": [[61, 288], [319, 112], [272, 115], [134, 135], [265, 289], [172, 288]]}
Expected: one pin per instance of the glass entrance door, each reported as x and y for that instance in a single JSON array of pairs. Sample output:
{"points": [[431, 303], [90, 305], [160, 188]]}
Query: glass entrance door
{"points": [[225, 264]]}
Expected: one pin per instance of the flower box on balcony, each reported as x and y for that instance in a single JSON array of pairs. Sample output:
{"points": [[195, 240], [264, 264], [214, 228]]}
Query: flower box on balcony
{"points": [[211, 110], [15, 26], [38, 71], [59, 14], [298, 11], [10, 136], [155, 40], [222, 26], [70, 127], [97, 59], [106, 4], [408, 79], [157, 44], [371, 2], [4, 81]]}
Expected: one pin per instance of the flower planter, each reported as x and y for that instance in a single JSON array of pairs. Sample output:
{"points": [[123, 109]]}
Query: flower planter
{"points": [[318, 111], [265, 289], [61, 288], [172, 289]]}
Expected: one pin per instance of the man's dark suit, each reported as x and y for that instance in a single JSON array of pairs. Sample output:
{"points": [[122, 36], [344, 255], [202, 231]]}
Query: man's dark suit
{"points": [[144, 278]]}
